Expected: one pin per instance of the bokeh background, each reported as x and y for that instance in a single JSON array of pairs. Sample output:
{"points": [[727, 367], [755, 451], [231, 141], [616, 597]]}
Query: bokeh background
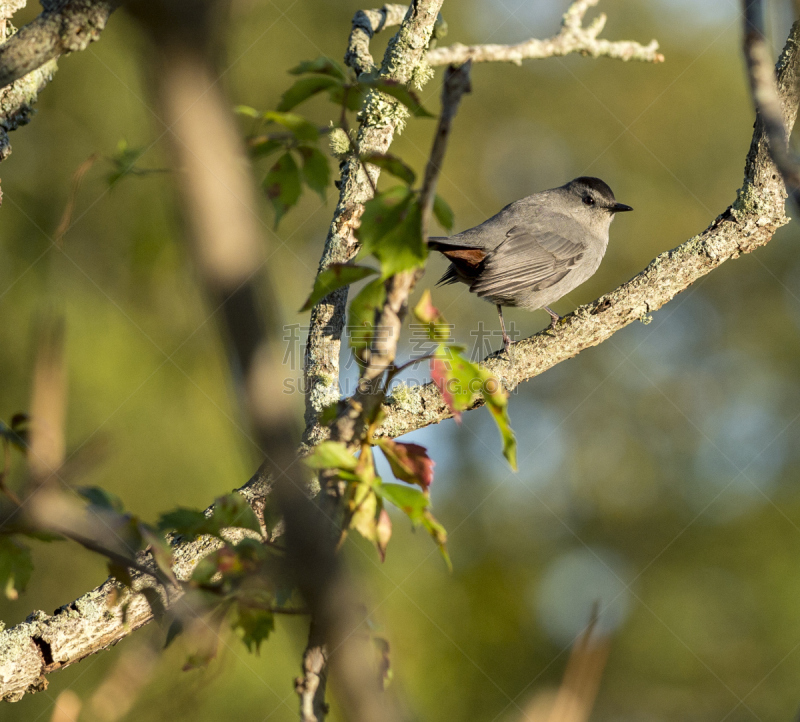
{"points": [[658, 472]]}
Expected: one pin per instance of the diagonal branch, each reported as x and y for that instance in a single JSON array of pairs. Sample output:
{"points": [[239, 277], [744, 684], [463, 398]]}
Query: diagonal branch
{"points": [[573, 38], [28, 58], [65, 26]]}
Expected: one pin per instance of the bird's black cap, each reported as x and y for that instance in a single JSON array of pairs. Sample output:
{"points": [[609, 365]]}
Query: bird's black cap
{"points": [[601, 188]]}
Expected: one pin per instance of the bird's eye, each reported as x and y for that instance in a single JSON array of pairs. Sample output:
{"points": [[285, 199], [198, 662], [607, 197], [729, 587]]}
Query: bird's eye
{"points": [[588, 200]]}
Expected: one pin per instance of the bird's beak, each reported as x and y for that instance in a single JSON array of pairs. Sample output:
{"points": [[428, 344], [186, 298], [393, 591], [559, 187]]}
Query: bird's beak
{"points": [[619, 208]]}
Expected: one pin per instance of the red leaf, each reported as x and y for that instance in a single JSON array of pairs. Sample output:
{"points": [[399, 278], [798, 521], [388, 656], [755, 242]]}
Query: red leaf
{"points": [[440, 372], [409, 462]]}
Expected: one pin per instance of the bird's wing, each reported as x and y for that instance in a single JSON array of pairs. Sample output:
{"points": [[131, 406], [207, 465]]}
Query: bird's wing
{"points": [[531, 258]]}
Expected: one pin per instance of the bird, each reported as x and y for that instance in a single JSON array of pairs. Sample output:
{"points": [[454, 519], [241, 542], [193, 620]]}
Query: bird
{"points": [[535, 250]]}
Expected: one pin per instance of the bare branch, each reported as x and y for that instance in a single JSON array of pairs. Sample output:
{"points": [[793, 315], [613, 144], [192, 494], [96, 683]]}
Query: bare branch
{"points": [[28, 58], [365, 24], [64, 27], [764, 90], [573, 38]]}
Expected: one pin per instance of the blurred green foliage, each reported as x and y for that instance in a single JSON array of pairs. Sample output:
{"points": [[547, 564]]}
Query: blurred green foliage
{"points": [[658, 469]]}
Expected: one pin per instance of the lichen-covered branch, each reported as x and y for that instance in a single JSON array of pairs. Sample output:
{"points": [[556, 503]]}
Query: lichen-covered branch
{"points": [[365, 24], [749, 223], [381, 118], [573, 38], [28, 58], [17, 100], [382, 354], [63, 27], [44, 643], [758, 54]]}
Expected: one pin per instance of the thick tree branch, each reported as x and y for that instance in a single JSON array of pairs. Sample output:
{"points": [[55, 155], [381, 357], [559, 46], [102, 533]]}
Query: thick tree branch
{"points": [[371, 392], [28, 58], [573, 38], [381, 118], [63, 27], [763, 87]]}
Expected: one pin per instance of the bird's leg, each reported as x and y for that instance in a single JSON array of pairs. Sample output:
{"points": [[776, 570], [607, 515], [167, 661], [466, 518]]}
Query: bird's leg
{"points": [[554, 317], [506, 339]]}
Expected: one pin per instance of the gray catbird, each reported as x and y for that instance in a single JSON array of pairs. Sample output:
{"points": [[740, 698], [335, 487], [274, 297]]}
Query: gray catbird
{"points": [[536, 250]]}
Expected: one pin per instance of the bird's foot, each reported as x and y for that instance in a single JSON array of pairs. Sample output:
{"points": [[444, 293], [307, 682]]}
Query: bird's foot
{"points": [[554, 317], [506, 343]]}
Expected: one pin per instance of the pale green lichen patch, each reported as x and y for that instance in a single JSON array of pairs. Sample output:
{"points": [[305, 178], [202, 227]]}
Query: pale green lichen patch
{"points": [[749, 201], [421, 75], [339, 143], [381, 110]]}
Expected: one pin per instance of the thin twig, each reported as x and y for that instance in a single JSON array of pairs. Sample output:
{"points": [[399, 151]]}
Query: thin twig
{"points": [[573, 38]]}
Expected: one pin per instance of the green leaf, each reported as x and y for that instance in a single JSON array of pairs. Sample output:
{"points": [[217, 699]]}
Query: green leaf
{"points": [[399, 92], [232, 510], [282, 185], [331, 455], [350, 96], [160, 551], [263, 146], [443, 213], [497, 400], [364, 508], [426, 313], [361, 321], [391, 229], [321, 65], [246, 110], [16, 566], [409, 462], [391, 164], [101, 498], [337, 275], [300, 127], [304, 89], [409, 500], [459, 380], [254, 625], [124, 163], [187, 522], [439, 535], [415, 504], [316, 172]]}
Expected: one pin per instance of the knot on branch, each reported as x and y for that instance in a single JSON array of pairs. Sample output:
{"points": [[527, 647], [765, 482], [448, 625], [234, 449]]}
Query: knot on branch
{"points": [[81, 24]]}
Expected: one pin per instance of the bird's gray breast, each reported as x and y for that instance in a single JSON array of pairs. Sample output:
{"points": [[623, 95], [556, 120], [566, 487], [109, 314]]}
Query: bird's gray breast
{"points": [[539, 260]]}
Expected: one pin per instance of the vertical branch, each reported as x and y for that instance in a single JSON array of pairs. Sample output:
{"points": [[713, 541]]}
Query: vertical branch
{"points": [[764, 89], [380, 122], [370, 393]]}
